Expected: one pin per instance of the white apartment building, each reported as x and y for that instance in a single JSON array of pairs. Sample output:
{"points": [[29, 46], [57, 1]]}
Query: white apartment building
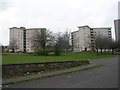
{"points": [[84, 37], [22, 38]]}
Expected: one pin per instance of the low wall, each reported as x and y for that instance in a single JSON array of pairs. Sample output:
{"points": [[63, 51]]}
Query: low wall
{"points": [[11, 69]]}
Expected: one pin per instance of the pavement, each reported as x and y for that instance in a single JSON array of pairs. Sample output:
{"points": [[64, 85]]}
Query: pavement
{"points": [[102, 77]]}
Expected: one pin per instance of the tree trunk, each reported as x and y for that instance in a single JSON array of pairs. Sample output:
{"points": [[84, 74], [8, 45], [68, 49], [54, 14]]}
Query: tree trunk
{"points": [[44, 49], [93, 50], [13, 50], [85, 49], [101, 50], [112, 51], [97, 51]]}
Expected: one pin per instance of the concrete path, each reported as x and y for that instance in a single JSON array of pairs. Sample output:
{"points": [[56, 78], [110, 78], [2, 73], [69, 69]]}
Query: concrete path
{"points": [[102, 77]]}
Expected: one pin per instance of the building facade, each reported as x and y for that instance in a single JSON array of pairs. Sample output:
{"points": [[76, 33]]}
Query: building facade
{"points": [[83, 39], [117, 29], [22, 38]]}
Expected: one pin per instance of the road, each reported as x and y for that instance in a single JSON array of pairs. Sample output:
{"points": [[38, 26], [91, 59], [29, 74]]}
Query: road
{"points": [[102, 77]]}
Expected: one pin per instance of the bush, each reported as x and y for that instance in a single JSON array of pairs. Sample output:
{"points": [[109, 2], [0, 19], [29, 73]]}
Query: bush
{"points": [[38, 52], [51, 53], [57, 51], [46, 53]]}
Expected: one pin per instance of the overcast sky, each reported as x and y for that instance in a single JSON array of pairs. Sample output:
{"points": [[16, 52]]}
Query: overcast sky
{"points": [[56, 15]]}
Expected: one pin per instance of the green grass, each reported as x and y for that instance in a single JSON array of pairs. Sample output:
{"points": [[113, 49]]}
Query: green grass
{"points": [[30, 58]]}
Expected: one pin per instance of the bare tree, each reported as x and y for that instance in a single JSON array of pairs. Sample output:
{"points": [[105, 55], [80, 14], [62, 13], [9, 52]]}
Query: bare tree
{"points": [[98, 43], [13, 45], [42, 40], [106, 43], [63, 40], [50, 41], [103, 42], [58, 39], [66, 41], [114, 45]]}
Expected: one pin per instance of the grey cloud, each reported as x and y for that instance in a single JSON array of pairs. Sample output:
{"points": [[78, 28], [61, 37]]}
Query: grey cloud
{"points": [[56, 14]]}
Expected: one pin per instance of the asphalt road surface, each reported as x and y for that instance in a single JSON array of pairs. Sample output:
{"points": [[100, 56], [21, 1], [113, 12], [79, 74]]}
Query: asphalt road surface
{"points": [[102, 77]]}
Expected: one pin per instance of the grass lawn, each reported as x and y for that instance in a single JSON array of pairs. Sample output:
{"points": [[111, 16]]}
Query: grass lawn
{"points": [[30, 58]]}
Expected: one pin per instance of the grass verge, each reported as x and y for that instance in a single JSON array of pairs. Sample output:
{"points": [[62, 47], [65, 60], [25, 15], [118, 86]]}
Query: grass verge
{"points": [[31, 58]]}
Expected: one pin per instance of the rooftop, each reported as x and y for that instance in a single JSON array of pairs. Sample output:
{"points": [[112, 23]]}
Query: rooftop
{"points": [[83, 26], [91, 28], [102, 28], [27, 28], [34, 28]]}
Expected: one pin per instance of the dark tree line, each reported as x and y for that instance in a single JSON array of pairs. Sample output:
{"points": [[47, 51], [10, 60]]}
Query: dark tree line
{"points": [[104, 43]]}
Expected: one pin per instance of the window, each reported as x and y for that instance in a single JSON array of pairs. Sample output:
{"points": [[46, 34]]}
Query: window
{"points": [[91, 32], [92, 35]]}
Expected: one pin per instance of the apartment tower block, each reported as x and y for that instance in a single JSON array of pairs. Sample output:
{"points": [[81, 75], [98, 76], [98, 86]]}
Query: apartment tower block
{"points": [[83, 38], [22, 38]]}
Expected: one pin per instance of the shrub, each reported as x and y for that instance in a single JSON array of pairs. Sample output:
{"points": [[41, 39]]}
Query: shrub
{"points": [[57, 51], [38, 52], [51, 53], [46, 53]]}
